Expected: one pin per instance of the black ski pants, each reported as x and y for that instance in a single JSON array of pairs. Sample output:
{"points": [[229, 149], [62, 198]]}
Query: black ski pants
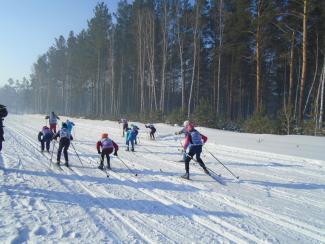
{"points": [[194, 150], [45, 143], [105, 152], [63, 145]]}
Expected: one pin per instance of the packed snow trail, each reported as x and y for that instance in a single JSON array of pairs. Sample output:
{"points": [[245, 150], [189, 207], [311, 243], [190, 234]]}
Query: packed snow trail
{"points": [[278, 199]]}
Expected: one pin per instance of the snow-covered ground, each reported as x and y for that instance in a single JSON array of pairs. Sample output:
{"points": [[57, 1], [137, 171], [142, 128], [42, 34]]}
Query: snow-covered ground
{"points": [[279, 197]]}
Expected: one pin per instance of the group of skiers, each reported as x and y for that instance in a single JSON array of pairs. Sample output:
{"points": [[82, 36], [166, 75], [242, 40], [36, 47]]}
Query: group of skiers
{"points": [[192, 146]]}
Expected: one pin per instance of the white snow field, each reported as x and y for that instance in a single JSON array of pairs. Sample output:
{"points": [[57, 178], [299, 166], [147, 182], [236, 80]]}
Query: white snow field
{"points": [[279, 197]]}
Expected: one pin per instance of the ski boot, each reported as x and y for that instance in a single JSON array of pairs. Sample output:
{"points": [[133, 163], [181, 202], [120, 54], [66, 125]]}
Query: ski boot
{"points": [[101, 166], [186, 176], [127, 149], [132, 149], [66, 164], [58, 163], [206, 171]]}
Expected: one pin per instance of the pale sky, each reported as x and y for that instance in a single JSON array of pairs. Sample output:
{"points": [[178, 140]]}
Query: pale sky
{"points": [[28, 28]]}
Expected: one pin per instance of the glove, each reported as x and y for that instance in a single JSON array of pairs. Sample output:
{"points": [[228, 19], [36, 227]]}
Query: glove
{"points": [[115, 153], [99, 152]]}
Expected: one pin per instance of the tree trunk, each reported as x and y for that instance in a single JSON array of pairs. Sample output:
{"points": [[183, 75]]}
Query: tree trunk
{"points": [[221, 28], [304, 62], [259, 59], [292, 54], [195, 37]]}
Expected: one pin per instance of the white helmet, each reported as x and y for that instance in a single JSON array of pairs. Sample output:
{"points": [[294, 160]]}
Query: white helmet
{"points": [[186, 123]]}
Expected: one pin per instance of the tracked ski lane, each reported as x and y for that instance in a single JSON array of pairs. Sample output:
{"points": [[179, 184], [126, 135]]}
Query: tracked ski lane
{"points": [[108, 223], [213, 235], [307, 229]]}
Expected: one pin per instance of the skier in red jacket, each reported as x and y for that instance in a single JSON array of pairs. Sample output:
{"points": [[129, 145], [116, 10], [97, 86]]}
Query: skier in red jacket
{"points": [[193, 143], [107, 145]]}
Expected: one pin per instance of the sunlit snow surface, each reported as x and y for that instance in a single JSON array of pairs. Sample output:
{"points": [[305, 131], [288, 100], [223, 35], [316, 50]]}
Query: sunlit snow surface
{"points": [[279, 197]]}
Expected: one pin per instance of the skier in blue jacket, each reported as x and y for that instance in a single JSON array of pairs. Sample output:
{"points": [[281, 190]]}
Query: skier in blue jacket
{"points": [[70, 126], [130, 138]]}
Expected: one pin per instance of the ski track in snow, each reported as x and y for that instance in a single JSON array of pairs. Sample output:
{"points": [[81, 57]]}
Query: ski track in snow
{"points": [[278, 198]]}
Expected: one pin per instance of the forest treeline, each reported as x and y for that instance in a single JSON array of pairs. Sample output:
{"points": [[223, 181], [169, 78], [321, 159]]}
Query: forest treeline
{"points": [[223, 62]]}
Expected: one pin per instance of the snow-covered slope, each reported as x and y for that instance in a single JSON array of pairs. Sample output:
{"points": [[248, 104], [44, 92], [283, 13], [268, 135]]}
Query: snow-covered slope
{"points": [[279, 197]]}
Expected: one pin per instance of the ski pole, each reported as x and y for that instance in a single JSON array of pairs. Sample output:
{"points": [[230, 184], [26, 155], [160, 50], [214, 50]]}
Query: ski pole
{"points": [[237, 177], [77, 154], [127, 166]]}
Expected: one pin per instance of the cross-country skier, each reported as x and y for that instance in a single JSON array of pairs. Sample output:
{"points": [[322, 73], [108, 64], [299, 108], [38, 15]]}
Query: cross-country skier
{"points": [[125, 124], [136, 128], [130, 138], [152, 131], [53, 120], [193, 142], [183, 131], [70, 126], [44, 137], [65, 138], [107, 145], [3, 113]]}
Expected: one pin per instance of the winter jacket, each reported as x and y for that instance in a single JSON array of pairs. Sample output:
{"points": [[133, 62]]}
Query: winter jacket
{"points": [[63, 133], [3, 111], [131, 134], [152, 128], [194, 138], [1, 130], [70, 125], [45, 135], [53, 118], [106, 143]]}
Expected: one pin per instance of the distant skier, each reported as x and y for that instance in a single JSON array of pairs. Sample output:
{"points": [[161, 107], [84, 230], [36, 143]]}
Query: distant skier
{"points": [[3, 113], [152, 131], [125, 125], [53, 121], [136, 128], [65, 138], [44, 137], [183, 131], [193, 142], [107, 145], [130, 138], [70, 126]]}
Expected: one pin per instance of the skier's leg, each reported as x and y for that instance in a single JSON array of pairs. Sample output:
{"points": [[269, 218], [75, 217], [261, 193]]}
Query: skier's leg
{"points": [[42, 145], [101, 163], [48, 142], [198, 158], [59, 151], [65, 151], [132, 144], [109, 151]]}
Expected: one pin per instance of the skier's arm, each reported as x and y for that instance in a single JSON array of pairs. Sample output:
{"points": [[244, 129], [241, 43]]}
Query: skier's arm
{"points": [[187, 141], [40, 136], [115, 146], [56, 135], [204, 138], [98, 145]]}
